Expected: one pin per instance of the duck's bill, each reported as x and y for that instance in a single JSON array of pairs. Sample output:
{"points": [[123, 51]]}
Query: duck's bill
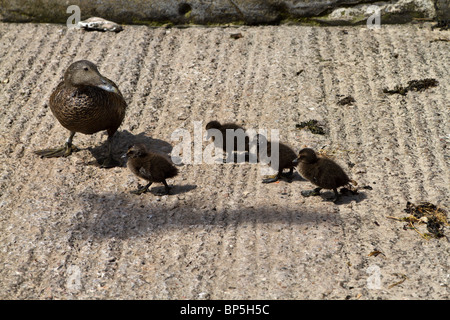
{"points": [[108, 87]]}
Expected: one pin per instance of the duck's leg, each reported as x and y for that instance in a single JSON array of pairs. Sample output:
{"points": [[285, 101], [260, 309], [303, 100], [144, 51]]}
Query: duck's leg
{"points": [[141, 190], [309, 193], [110, 162], [64, 151]]}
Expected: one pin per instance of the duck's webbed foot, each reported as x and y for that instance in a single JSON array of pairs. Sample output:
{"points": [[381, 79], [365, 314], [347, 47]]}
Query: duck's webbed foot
{"points": [[271, 179], [64, 151], [310, 193], [141, 190]]}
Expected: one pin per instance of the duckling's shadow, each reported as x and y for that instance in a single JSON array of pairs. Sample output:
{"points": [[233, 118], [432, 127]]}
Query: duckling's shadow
{"points": [[122, 141], [174, 189], [296, 177], [345, 196]]}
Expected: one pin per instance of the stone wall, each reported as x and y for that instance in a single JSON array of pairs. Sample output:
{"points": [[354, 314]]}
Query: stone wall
{"points": [[210, 12]]}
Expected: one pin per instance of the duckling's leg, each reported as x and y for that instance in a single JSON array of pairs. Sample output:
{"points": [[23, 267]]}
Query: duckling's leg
{"points": [[336, 195], [288, 175], [59, 152], [309, 193], [167, 188], [141, 190], [110, 162]]}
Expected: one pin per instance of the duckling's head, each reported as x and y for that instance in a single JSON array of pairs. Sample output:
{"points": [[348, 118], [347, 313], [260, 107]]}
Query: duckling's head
{"points": [[136, 151], [306, 155], [85, 73], [213, 125]]}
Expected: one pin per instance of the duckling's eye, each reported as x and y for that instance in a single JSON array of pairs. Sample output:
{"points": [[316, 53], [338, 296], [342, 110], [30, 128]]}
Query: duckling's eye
{"points": [[86, 69]]}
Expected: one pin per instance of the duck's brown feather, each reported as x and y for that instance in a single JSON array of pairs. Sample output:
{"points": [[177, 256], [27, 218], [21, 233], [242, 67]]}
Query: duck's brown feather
{"points": [[88, 109]]}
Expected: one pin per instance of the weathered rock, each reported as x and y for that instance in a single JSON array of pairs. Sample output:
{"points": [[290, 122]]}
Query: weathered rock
{"points": [[99, 24], [401, 11]]}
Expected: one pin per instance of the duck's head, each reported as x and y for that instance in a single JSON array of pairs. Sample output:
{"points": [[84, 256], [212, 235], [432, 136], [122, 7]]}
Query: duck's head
{"points": [[306, 155], [85, 73]]}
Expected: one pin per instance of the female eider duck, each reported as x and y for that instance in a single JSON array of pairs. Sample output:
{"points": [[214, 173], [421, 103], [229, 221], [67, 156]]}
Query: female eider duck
{"points": [[321, 171], [149, 166], [86, 102]]}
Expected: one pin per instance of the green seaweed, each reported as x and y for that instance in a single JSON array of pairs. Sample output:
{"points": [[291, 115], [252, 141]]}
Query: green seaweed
{"points": [[312, 126]]}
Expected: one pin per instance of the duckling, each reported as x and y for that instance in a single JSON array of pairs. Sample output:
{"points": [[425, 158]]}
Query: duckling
{"points": [[223, 130], [286, 157], [150, 166], [321, 171], [86, 102]]}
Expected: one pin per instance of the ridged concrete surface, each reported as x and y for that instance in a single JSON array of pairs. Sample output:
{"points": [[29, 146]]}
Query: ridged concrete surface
{"points": [[71, 230]]}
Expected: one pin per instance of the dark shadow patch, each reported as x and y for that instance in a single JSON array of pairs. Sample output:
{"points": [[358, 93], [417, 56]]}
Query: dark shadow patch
{"points": [[174, 189], [442, 24], [122, 140], [184, 8], [124, 216], [346, 196]]}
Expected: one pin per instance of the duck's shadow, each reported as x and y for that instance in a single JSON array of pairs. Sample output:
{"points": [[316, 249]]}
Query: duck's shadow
{"points": [[122, 140]]}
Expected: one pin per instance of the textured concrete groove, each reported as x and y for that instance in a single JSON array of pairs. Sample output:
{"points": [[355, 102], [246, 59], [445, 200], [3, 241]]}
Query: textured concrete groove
{"points": [[25, 79], [420, 127], [72, 230], [425, 120]]}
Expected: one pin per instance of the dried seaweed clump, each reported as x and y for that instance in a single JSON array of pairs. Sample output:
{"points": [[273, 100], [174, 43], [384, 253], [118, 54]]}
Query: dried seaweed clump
{"points": [[311, 125], [434, 217], [346, 101], [413, 85]]}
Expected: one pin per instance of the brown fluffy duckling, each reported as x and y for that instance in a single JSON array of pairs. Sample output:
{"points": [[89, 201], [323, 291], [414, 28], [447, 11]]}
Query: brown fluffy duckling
{"points": [[223, 130], [286, 157], [86, 102], [150, 166], [321, 171]]}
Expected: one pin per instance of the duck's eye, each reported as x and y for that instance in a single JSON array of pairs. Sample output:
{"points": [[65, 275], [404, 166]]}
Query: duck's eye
{"points": [[86, 69]]}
